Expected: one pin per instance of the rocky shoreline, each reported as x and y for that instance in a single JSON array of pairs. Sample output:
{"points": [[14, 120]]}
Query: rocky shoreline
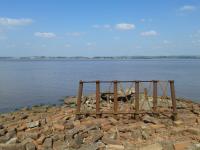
{"points": [[57, 128]]}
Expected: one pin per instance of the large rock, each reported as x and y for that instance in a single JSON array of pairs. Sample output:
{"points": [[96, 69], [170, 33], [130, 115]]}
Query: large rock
{"points": [[75, 142], [30, 146], [4, 139], [194, 131], [58, 136], [114, 147], [72, 132], [69, 125], [2, 132], [178, 123], [22, 127], [41, 139], [145, 134], [12, 141], [155, 146], [70, 100], [60, 145], [107, 140], [48, 143], [33, 124], [11, 133], [89, 147], [23, 116], [31, 135], [148, 119], [93, 138], [59, 127], [8, 136], [167, 144], [39, 109], [113, 121], [1, 126], [182, 145], [12, 147], [78, 139]]}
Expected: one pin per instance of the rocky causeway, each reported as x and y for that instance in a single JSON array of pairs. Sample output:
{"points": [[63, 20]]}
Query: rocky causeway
{"points": [[58, 128]]}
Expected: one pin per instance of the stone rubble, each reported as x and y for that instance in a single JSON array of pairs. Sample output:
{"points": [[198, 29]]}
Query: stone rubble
{"points": [[58, 128]]}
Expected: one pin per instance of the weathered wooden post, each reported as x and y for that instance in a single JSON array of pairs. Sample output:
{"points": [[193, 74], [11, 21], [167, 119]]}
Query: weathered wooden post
{"points": [[97, 98], [137, 97], [80, 92], [155, 94], [173, 97], [145, 94], [115, 98]]}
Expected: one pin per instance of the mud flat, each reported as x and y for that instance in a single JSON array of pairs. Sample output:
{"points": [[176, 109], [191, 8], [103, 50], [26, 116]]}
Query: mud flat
{"points": [[57, 128]]}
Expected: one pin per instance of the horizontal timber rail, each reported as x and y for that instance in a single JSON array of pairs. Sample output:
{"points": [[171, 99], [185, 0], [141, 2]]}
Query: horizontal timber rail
{"points": [[136, 111], [124, 81]]}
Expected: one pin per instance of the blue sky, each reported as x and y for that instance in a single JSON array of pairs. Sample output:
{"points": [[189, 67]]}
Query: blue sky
{"points": [[99, 27]]}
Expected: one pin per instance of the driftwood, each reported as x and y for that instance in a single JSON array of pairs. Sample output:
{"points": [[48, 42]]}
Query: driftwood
{"points": [[121, 97]]}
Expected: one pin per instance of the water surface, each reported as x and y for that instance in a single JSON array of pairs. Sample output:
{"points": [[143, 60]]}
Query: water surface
{"points": [[25, 83]]}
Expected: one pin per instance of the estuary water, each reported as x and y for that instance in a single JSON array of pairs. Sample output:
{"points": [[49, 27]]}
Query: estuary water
{"points": [[27, 83]]}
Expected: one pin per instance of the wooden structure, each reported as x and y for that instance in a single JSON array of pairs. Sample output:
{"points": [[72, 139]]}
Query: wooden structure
{"points": [[136, 111]]}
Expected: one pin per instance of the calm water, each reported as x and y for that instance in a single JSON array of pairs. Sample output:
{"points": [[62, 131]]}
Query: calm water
{"points": [[25, 83]]}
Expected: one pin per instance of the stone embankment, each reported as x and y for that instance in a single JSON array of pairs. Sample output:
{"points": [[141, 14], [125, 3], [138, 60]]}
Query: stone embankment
{"points": [[57, 128]]}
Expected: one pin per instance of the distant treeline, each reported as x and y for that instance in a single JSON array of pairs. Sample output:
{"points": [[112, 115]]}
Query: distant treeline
{"points": [[98, 58]]}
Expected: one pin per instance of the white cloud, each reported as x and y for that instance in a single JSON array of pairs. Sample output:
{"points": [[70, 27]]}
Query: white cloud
{"points": [[15, 22], [124, 26], [76, 34], [120, 26], [45, 34], [187, 8], [105, 26], [149, 33]]}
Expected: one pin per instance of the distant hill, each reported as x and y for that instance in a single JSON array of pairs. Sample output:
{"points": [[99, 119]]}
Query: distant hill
{"points": [[98, 58]]}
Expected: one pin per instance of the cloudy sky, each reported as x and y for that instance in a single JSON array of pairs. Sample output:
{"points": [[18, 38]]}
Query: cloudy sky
{"points": [[99, 27]]}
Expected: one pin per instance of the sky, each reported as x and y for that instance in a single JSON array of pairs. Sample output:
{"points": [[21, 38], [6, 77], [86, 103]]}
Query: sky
{"points": [[99, 27]]}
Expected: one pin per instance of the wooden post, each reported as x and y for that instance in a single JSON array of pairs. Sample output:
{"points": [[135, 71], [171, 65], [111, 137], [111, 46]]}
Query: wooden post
{"points": [[173, 97], [98, 99], [155, 93], [145, 94], [115, 98], [164, 90], [80, 92], [137, 88]]}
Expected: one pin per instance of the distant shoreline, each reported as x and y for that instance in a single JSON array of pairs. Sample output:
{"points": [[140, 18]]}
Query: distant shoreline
{"points": [[99, 58]]}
